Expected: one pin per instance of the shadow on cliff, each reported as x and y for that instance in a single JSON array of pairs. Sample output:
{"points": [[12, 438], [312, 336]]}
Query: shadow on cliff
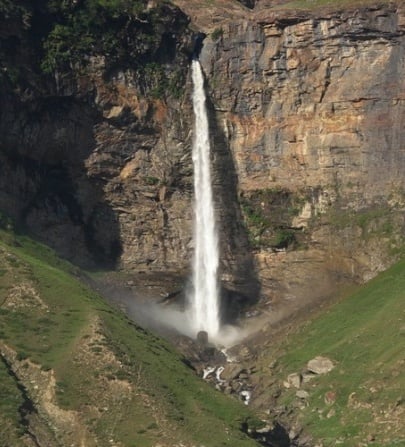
{"points": [[44, 184], [240, 285]]}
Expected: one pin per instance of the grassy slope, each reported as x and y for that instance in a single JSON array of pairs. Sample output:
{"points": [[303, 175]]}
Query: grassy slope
{"points": [[168, 402], [365, 336]]}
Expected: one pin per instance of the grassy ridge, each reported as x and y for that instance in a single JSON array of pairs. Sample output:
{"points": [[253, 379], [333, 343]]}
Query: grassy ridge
{"points": [[362, 399], [123, 382]]}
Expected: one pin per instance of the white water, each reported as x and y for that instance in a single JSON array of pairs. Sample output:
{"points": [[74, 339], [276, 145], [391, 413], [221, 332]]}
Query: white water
{"points": [[204, 299]]}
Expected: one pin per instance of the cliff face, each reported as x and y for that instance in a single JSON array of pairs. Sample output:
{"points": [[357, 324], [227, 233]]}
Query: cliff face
{"points": [[94, 151], [307, 113], [312, 108]]}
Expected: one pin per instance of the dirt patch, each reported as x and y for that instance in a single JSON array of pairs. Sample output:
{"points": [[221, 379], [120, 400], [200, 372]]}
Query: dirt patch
{"points": [[40, 386], [24, 295]]}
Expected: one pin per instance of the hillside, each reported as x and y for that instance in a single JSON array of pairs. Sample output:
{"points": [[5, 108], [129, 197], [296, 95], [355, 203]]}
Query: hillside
{"points": [[360, 401], [75, 372]]}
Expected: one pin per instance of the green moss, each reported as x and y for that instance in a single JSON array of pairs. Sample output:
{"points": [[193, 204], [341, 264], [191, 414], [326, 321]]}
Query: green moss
{"points": [[150, 180], [374, 221], [161, 82], [283, 238]]}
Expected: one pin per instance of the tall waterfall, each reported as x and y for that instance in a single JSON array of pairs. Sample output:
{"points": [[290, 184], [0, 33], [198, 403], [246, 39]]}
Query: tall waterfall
{"points": [[204, 300]]}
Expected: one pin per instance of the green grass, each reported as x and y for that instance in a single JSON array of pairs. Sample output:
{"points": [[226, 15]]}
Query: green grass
{"points": [[10, 401], [365, 336], [165, 400]]}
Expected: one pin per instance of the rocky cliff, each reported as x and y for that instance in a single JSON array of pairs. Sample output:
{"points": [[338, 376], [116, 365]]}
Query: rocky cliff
{"points": [[94, 159], [311, 106], [307, 113]]}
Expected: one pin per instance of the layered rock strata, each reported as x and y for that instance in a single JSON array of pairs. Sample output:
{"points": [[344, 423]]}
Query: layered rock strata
{"points": [[311, 105]]}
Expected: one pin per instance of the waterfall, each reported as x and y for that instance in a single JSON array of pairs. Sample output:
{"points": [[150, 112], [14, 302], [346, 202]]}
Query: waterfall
{"points": [[204, 299]]}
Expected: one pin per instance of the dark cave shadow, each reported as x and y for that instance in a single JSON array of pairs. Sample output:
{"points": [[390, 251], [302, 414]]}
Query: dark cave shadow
{"points": [[44, 184], [236, 252]]}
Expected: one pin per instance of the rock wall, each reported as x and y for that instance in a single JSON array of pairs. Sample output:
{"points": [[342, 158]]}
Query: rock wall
{"points": [[95, 156], [312, 107]]}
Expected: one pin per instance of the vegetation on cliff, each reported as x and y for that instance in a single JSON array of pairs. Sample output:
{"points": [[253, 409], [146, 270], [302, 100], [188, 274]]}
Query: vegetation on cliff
{"points": [[62, 38], [268, 215]]}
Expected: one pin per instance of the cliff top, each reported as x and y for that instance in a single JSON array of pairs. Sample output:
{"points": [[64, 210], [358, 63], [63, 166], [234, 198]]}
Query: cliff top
{"points": [[208, 15]]}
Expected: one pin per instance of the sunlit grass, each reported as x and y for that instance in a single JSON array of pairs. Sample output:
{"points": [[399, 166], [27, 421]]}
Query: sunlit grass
{"points": [[162, 387], [364, 335]]}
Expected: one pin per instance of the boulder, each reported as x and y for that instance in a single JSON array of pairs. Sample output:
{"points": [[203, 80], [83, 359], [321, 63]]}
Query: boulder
{"points": [[302, 394], [231, 371], [294, 380], [320, 365]]}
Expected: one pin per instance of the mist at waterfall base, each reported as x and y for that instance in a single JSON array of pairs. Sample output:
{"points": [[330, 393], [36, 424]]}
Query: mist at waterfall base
{"points": [[169, 319]]}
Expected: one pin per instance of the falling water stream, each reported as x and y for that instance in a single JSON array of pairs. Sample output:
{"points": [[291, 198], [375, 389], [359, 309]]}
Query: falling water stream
{"points": [[204, 298]]}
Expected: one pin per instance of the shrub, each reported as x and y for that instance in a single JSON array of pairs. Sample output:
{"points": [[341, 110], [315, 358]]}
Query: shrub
{"points": [[217, 33], [86, 28]]}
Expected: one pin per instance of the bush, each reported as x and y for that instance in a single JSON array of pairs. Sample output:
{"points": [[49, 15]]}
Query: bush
{"points": [[86, 28], [283, 238]]}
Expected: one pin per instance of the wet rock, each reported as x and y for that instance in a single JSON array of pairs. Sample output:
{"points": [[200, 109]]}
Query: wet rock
{"points": [[231, 371], [245, 396], [212, 355], [264, 429], [218, 374], [208, 371], [202, 339]]}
